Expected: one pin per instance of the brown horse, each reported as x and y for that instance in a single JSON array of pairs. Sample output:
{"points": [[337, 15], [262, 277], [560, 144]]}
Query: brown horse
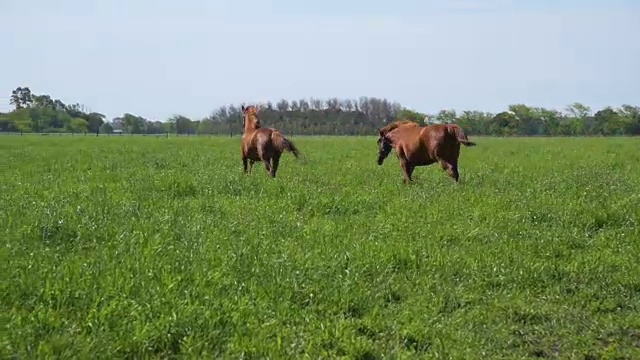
{"points": [[417, 145], [262, 144]]}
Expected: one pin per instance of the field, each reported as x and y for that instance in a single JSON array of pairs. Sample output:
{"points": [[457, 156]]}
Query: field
{"points": [[123, 247]]}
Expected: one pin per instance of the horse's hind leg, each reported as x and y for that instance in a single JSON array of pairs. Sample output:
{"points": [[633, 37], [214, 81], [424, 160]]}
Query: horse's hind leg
{"points": [[275, 161], [267, 165], [244, 163], [251, 165], [451, 167]]}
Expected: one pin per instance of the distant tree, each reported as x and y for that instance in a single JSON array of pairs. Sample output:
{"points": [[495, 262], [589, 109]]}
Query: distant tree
{"points": [[504, 124], [94, 121], [411, 115], [578, 110], [21, 97], [206, 126], [42, 101], [608, 122], [42, 112], [106, 128], [76, 125], [282, 105], [133, 124], [446, 116], [183, 125]]}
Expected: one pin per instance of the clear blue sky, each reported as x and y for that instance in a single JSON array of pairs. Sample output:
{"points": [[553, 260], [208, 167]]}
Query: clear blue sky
{"points": [[155, 58]]}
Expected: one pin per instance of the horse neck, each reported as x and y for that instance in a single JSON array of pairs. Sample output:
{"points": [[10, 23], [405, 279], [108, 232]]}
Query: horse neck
{"points": [[250, 124]]}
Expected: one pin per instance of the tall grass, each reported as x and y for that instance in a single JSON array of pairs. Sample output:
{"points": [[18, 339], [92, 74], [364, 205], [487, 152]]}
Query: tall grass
{"points": [[153, 247]]}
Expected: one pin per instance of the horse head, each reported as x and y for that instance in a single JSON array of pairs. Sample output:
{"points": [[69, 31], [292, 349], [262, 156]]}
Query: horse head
{"points": [[385, 144], [249, 117], [384, 147]]}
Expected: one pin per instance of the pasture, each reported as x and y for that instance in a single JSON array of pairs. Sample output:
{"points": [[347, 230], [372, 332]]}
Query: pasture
{"points": [[145, 247]]}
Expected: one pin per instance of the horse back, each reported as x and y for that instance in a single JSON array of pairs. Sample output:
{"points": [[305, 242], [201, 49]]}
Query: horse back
{"points": [[441, 133]]}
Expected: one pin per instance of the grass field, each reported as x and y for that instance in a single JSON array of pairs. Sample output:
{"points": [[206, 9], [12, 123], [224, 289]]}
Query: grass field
{"points": [[123, 247]]}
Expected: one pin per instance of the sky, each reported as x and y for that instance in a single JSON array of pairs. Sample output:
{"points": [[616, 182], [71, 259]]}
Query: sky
{"points": [[158, 58]]}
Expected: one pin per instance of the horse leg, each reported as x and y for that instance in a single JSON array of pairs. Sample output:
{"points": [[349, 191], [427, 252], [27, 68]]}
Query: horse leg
{"points": [[251, 165], [407, 169], [451, 167], [265, 156], [275, 162], [244, 163], [267, 165]]}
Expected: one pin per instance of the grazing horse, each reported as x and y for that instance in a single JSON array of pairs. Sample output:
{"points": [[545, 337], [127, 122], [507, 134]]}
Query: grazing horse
{"points": [[262, 144], [417, 145]]}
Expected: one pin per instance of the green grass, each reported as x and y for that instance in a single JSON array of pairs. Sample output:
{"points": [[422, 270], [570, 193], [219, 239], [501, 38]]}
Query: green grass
{"points": [[138, 247]]}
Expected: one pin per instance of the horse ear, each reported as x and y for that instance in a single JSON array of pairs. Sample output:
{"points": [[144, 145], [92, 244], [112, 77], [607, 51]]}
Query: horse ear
{"points": [[243, 108], [380, 133]]}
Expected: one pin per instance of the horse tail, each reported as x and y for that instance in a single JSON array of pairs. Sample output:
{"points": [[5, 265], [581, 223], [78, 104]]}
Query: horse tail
{"points": [[462, 137], [284, 144]]}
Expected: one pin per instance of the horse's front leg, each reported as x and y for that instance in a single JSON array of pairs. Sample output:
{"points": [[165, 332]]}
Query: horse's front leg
{"points": [[244, 163], [251, 165], [407, 169]]}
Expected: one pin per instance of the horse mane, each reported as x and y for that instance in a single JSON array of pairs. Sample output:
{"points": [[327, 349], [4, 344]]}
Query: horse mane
{"points": [[396, 124]]}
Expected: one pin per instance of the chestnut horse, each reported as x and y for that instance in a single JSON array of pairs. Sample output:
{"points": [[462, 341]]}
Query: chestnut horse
{"points": [[262, 144], [417, 145]]}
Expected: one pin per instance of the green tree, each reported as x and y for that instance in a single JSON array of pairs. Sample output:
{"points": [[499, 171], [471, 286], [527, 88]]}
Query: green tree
{"points": [[504, 124], [608, 122], [183, 124], [21, 97], [77, 125], [206, 126], [631, 119], [42, 112], [133, 124], [94, 121], [106, 128], [578, 110], [42, 101], [408, 114], [446, 116]]}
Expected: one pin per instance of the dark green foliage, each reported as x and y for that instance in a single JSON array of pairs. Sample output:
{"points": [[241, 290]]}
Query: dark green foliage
{"points": [[41, 113]]}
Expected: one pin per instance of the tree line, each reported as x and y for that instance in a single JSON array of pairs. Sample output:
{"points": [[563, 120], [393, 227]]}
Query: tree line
{"points": [[43, 114]]}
